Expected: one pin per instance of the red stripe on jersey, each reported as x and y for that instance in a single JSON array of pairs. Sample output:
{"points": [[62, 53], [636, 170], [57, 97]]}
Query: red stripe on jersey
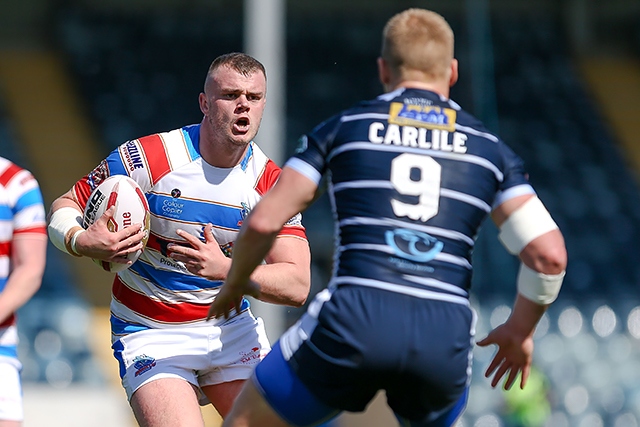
{"points": [[156, 155], [160, 244], [156, 310], [154, 242], [8, 321], [9, 173], [82, 192], [41, 229], [296, 231], [269, 176], [5, 248]]}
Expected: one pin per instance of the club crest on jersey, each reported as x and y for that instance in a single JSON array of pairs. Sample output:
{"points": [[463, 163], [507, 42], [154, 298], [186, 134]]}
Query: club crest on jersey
{"points": [[175, 193], [99, 174], [427, 116], [143, 363], [413, 245]]}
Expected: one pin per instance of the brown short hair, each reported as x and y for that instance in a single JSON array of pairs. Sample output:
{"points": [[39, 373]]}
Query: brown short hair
{"points": [[240, 62], [418, 39]]}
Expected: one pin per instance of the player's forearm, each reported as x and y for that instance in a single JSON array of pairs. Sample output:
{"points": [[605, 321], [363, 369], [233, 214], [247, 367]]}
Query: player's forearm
{"points": [[525, 316], [282, 283], [21, 286]]}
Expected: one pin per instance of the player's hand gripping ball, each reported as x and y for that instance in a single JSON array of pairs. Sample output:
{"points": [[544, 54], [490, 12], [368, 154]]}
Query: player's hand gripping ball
{"points": [[131, 207]]}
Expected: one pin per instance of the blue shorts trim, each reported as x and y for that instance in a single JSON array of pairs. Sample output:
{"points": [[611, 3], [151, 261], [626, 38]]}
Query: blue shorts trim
{"points": [[286, 394]]}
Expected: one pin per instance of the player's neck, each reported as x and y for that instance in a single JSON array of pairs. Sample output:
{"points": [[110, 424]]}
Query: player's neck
{"points": [[440, 89]]}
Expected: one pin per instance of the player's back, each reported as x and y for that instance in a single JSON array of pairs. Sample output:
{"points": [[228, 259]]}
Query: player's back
{"points": [[412, 178]]}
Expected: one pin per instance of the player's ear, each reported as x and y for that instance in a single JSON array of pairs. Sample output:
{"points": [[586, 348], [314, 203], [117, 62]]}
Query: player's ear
{"points": [[454, 72], [383, 72], [204, 104]]}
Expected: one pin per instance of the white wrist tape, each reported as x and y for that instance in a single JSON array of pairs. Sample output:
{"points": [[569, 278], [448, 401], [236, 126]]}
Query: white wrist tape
{"points": [[538, 287], [64, 227], [529, 221]]}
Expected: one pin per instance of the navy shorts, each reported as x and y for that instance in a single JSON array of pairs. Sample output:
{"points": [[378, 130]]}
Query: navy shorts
{"points": [[354, 341]]}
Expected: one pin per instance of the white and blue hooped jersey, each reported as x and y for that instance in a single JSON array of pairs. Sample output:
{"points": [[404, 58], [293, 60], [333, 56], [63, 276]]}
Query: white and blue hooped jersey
{"points": [[412, 177], [21, 213], [183, 192]]}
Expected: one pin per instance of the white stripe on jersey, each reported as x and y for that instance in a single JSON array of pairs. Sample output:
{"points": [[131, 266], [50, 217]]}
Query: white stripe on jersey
{"points": [[510, 193], [452, 194], [364, 116], [177, 155], [388, 222], [469, 158], [444, 192], [6, 230], [452, 259], [160, 294], [443, 257], [9, 336], [407, 290], [5, 266], [16, 188], [476, 132], [437, 284], [362, 184], [30, 216], [305, 169], [141, 175]]}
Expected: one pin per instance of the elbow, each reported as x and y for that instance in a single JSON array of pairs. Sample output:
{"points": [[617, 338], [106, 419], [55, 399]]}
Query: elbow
{"points": [[552, 261], [546, 254], [261, 225], [299, 298], [301, 291]]}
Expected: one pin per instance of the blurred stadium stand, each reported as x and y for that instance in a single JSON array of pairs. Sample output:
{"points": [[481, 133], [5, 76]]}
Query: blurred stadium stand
{"points": [[140, 70]]}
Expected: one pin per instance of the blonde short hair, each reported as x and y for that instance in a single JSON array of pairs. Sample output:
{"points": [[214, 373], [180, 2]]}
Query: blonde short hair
{"points": [[418, 39]]}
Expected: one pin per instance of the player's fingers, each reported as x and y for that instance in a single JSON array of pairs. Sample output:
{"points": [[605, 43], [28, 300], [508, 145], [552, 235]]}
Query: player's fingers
{"points": [[192, 240], [485, 341], [180, 253], [499, 374], [511, 378], [120, 260], [208, 234], [525, 375], [497, 360]]}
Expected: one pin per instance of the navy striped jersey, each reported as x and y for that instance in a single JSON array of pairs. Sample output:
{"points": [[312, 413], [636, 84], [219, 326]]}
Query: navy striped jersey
{"points": [[411, 177]]}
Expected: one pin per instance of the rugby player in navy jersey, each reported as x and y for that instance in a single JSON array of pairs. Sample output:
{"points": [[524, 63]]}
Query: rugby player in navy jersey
{"points": [[412, 176]]}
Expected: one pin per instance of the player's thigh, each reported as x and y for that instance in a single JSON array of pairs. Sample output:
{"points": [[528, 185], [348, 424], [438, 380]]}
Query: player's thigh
{"points": [[167, 402], [251, 409], [223, 395], [11, 412]]}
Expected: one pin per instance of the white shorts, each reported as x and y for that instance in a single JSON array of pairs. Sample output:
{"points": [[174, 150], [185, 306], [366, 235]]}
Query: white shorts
{"points": [[10, 390], [202, 355]]}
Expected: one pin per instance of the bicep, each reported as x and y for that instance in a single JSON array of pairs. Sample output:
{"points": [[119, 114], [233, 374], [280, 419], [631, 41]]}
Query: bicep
{"points": [[502, 212], [29, 251], [291, 250]]}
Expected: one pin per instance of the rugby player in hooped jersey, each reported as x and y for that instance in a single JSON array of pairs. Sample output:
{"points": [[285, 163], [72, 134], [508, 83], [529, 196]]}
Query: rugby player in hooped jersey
{"points": [[200, 182], [412, 178], [23, 254]]}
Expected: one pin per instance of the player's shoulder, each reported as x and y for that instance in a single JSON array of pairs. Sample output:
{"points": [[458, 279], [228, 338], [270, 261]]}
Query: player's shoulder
{"points": [[13, 175]]}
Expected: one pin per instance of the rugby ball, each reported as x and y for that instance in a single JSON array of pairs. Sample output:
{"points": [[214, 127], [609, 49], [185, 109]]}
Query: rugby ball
{"points": [[131, 208]]}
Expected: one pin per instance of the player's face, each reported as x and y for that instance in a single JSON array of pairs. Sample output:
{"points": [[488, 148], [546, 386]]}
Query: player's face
{"points": [[233, 104]]}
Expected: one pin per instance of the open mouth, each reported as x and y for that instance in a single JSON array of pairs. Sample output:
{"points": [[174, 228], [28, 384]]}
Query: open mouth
{"points": [[241, 125]]}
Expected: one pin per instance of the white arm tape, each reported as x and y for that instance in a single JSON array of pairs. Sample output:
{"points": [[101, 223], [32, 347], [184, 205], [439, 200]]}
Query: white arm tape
{"points": [[538, 287], [63, 221], [529, 221]]}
